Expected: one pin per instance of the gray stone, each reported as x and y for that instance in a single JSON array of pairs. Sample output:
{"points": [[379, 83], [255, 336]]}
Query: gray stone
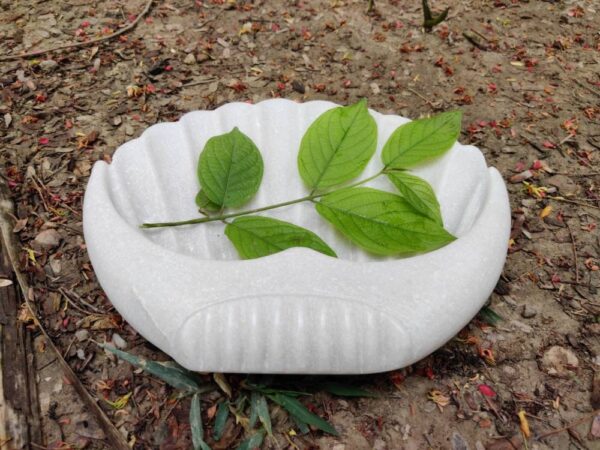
{"points": [[190, 59], [82, 335], [48, 65], [119, 341], [458, 442], [48, 238], [528, 312]]}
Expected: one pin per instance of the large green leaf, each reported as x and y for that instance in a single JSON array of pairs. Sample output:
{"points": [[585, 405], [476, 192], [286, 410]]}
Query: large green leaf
{"points": [[301, 413], [256, 236], [196, 425], [171, 373], [220, 420], [337, 146], [230, 169], [381, 222], [418, 193], [421, 140]]}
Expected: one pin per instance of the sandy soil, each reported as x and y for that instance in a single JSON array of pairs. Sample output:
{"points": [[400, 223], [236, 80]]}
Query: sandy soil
{"points": [[527, 79]]}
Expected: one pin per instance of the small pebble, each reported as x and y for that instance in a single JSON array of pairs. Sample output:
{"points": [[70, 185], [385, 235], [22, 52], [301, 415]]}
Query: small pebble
{"points": [[458, 442], [48, 65], [189, 59], [82, 335], [48, 238], [528, 312], [298, 87], [119, 341]]}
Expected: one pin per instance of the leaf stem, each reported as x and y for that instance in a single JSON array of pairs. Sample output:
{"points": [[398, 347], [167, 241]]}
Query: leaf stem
{"points": [[222, 217]]}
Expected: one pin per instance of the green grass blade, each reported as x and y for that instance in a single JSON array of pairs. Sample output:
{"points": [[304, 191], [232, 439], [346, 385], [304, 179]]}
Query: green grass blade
{"points": [[342, 390], [196, 424], [253, 442], [171, 373], [298, 410], [221, 420], [490, 316]]}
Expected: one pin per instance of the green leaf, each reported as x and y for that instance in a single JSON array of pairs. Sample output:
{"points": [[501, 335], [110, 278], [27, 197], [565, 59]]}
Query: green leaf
{"points": [[429, 20], [421, 140], [256, 236], [418, 193], [490, 316], [342, 390], [263, 414], [220, 420], [171, 373], [196, 425], [253, 442], [300, 412], [381, 222], [254, 399], [204, 203], [337, 146], [230, 169], [268, 390], [302, 427]]}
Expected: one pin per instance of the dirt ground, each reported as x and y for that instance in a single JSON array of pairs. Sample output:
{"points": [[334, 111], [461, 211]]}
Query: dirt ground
{"points": [[525, 73]]}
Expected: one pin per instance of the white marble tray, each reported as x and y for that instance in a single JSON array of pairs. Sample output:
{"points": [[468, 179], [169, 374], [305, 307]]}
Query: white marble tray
{"points": [[297, 311]]}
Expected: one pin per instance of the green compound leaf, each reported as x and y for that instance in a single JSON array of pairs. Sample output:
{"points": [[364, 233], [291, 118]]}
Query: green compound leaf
{"points": [[204, 203], [381, 222], [170, 372], [256, 236], [196, 425], [421, 140], [230, 169], [302, 414], [418, 193], [337, 146]]}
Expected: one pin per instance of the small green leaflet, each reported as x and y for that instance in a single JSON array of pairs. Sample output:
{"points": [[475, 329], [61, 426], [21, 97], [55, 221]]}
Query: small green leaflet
{"points": [[337, 146], [171, 373], [301, 413], [220, 420], [421, 140], [256, 236], [381, 222], [418, 193], [230, 169], [196, 424], [204, 203]]}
